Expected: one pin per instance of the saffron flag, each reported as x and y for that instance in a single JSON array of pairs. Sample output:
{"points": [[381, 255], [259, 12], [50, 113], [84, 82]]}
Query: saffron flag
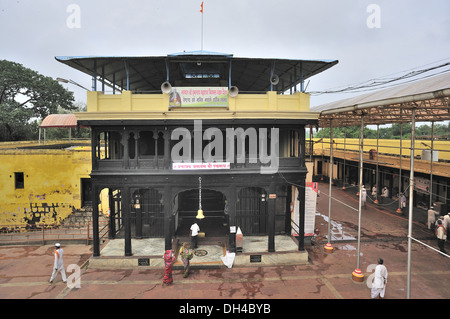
{"points": [[202, 8]]}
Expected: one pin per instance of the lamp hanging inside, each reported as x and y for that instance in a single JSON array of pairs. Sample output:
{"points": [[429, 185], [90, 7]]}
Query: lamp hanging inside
{"points": [[200, 211]]}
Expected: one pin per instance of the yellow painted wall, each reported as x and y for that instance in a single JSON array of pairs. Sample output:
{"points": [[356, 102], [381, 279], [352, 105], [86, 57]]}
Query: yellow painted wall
{"points": [[126, 105], [52, 184]]}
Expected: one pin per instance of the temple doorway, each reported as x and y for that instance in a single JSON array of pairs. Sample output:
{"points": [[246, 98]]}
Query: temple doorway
{"points": [[215, 223]]}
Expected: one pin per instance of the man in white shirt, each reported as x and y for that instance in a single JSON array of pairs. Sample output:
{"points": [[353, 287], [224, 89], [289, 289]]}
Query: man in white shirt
{"points": [[447, 221], [402, 201], [379, 280], [385, 193], [441, 234], [58, 264], [194, 234], [432, 215], [364, 197]]}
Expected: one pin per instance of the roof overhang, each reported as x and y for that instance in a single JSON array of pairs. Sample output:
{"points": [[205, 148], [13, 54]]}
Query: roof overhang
{"points": [[430, 98], [146, 74], [59, 121]]}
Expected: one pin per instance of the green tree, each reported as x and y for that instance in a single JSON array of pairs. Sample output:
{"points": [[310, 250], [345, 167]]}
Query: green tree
{"points": [[441, 131], [27, 97]]}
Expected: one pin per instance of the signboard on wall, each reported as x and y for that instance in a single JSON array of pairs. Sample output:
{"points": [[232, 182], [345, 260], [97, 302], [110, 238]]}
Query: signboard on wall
{"points": [[200, 166], [198, 97], [422, 185], [310, 208]]}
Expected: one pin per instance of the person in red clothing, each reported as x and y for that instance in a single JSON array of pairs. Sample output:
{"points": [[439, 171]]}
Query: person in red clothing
{"points": [[169, 260]]}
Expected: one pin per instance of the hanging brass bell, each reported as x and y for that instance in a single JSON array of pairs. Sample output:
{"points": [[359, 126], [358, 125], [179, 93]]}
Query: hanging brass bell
{"points": [[200, 214]]}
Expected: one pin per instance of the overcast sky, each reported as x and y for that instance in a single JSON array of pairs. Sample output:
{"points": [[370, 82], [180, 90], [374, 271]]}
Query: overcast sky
{"points": [[402, 35]]}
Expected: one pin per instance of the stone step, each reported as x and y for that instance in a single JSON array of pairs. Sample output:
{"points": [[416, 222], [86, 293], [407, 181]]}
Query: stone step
{"points": [[80, 218]]}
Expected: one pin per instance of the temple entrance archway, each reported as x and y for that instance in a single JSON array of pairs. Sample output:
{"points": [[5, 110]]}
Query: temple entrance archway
{"points": [[215, 223]]}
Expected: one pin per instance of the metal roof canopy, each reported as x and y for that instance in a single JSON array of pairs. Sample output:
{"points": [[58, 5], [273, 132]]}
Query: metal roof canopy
{"points": [[59, 120], [423, 101], [430, 98], [197, 68]]}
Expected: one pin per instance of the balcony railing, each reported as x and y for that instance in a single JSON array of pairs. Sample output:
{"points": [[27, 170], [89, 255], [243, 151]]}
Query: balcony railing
{"points": [[284, 163]]}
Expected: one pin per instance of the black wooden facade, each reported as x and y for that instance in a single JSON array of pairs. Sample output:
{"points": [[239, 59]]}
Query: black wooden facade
{"points": [[132, 143], [132, 159]]}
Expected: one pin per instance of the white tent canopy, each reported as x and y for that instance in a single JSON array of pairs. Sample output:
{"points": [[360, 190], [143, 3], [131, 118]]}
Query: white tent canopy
{"points": [[429, 97]]}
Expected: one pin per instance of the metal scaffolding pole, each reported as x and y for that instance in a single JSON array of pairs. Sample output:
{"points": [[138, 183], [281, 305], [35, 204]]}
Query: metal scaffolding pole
{"points": [[377, 180], [357, 274], [328, 248], [345, 140], [400, 192], [321, 177], [411, 194], [431, 164]]}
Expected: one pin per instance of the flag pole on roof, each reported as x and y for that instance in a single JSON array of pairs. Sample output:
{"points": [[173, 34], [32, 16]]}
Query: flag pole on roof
{"points": [[202, 26]]}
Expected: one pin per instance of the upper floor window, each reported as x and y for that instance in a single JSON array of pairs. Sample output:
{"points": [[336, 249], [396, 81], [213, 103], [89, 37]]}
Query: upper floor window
{"points": [[109, 146], [19, 180]]}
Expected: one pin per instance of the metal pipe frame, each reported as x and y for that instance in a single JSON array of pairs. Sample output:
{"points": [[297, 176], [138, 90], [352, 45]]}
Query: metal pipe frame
{"points": [[411, 194], [431, 164], [360, 191], [330, 181]]}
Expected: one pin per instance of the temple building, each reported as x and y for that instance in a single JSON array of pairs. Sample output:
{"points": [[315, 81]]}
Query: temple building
{"points": [[198, 134]]}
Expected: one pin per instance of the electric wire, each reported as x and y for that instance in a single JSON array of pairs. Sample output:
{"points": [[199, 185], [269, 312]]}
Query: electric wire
{"points": [[386, 82]]}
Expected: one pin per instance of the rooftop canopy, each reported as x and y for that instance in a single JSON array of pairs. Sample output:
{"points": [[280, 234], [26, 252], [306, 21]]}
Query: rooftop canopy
{"points": [[430, 98], [197, 68], [59, 120]]}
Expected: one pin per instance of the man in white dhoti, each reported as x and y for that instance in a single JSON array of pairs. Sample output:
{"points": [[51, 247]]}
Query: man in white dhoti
{"points": [[379, 280], [374, 192], [402, 200], [384, 193], [58, 264], [363, 197], [447, 222], [194, 234], [432, 214]]}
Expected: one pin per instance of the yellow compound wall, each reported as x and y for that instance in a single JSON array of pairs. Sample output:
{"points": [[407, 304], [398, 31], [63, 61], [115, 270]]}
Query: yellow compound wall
{"points": [[52, 184]]}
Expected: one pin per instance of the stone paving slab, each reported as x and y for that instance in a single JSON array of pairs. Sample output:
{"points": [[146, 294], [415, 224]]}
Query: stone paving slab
{"points": [[112, 255]]}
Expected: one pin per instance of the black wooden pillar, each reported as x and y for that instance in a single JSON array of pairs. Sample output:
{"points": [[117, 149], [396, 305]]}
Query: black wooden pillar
{"points": [[94, 143], [301, 145], [232, 202], [112, 215], [126, 150], [166, 148], [301, 215], [230, 213], [138, 210], [126, 208], [168, 218], [136, 148], [271, 217], [95, 229], [447, 200]]}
